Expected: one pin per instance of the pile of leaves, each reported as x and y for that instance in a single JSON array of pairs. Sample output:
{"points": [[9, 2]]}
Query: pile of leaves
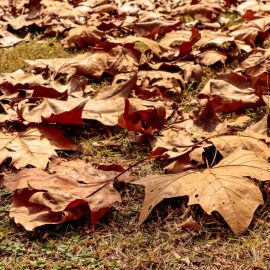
{"points": [[157, 57]]}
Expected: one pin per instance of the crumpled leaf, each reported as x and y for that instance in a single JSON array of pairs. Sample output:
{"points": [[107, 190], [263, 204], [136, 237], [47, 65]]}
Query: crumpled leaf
{"points": [[105, 111], [254, 6], [112, 60], [249, 31], [82, 36], [20, 84], [158, 49], [191, 71], [122, 86], [257, 62], [210, 10], [7, 39], [11, 83], [143, 117], [228, 95], [75, 187], [174, 141], [153, 28], [175, 38], [166, 82], [224, 188], [261, 127], [214, 38]]}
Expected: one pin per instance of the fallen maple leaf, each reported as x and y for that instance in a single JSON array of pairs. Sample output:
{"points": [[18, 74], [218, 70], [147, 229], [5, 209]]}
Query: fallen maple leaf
{"points": [[174, 141], [105, 111], [153, 28], [255, 142], [228, 96], [224, 188], [214, 38], [109, 57], [256, 63], [122, 86], [166, 82], [33, 147], [54, 111], [75, 187], [191, 71], [253, 5], [211, 57], [157, 49], [249, 31], [208, 8], [186, 46], [175, 37], [19, 84], [261, 127], [82, 36]]}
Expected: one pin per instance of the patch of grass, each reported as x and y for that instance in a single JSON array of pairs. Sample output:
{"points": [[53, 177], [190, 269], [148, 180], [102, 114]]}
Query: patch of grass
{"points": [[13, 58], [233, 19], [256, 114], [142, 47], [97, 85], [190, 101]]}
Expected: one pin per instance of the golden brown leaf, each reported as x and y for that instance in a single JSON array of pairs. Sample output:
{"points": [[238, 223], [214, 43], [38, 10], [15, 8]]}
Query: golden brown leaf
{"points": [[224, 188], [33, 147]]}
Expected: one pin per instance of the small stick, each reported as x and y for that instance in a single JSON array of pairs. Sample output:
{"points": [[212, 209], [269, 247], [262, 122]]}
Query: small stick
{"points": [[130, 167]]}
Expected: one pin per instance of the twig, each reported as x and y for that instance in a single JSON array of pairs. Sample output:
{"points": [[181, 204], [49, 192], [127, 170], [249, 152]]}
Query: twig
{"points": [[130, 167]]}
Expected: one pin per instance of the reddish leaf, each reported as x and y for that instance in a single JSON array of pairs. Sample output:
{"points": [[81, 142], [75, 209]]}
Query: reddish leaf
{"points": [[55, 111], [143, 117]]}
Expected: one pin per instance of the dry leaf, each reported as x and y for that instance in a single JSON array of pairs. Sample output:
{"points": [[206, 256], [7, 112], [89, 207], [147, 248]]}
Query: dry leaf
{"points": [[112, 59], [33, 147], [224, 188], [143, 117], [227, 97], [255, 142], [190, 224], [153, 28], [261, 127], [54, 111], [209, 58], [75, 187], [82, 36], [7, 39]]}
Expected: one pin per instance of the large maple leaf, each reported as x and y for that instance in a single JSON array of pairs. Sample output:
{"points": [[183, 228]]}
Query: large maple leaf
{"points": [[225, 188]]}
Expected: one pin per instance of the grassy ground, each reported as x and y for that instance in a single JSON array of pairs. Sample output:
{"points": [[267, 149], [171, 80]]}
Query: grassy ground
{"points": [[116, 242], [12, 58]]}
